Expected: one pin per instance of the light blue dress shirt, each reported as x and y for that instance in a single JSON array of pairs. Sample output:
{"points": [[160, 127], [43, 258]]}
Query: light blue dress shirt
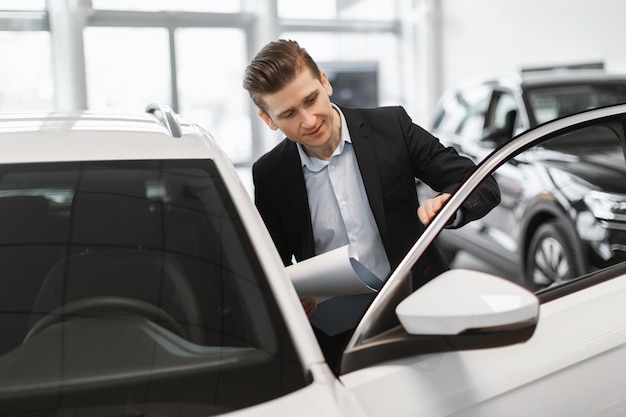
{"points": [[340, 211]]}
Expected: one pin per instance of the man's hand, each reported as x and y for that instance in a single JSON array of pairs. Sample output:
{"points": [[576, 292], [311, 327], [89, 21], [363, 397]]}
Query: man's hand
{"points": [[309, 304], [431, 207]]}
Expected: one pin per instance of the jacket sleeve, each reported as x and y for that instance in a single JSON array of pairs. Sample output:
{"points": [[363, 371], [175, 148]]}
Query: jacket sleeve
{"points": [[444, 170]]}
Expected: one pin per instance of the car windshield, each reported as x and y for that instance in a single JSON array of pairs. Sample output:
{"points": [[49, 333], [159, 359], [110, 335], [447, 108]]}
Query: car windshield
{"points": [[129, 287], [551, 102]]}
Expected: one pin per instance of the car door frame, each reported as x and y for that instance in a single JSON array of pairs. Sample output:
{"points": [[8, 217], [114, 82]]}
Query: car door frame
{"points": [[382, 310]]}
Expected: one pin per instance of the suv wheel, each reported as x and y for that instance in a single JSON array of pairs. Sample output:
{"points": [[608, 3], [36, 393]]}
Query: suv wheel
{"points": [[552, 257]]}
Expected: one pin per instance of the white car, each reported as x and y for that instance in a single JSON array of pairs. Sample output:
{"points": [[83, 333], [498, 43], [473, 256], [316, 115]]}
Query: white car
{"points": [[137, 278]]}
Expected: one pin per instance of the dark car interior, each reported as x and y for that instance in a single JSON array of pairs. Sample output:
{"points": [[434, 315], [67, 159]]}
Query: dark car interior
{"points": [[129, 282]]}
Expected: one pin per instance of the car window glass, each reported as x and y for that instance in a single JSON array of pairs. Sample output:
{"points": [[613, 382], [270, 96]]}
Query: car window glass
{"points": [[473, 102], [133, 283], [500, 117], [552, 102], [462, 111], [562, 213]]}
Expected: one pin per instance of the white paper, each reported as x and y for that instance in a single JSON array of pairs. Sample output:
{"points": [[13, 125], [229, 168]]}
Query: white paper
{"points": [[334, 273]]}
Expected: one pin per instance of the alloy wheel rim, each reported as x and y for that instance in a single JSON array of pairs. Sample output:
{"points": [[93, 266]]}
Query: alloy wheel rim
{"points": [[551, 265]]}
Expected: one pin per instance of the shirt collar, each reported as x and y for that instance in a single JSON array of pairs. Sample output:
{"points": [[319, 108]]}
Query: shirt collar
{"points": [[315, 164]]}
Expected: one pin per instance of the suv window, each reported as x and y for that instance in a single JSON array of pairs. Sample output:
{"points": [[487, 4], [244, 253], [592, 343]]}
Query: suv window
{"points": [[462, 114], [502, 114], [133, 284], [548, 103]]}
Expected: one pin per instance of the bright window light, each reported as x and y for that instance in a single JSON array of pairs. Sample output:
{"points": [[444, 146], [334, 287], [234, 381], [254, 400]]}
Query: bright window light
{"points": [[215, 6], [27, 86], [127, 68], [22, 4]]}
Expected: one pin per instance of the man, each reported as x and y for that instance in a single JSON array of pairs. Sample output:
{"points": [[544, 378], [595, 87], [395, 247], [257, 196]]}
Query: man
{"points": [[347, 176]]}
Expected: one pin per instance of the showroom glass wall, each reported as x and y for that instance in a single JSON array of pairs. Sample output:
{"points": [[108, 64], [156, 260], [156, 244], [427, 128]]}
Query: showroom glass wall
{"points": [[191, 54], [23, 27]]}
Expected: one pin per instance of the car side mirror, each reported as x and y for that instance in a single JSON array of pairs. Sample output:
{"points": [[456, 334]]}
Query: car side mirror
{"points": [[504, 134], [464, 301], [458, 310], [495, 138]]}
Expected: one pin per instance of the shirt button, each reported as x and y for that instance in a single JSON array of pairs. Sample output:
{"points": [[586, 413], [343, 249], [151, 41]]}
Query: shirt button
{"points": [[342, 204], [353, 238]]}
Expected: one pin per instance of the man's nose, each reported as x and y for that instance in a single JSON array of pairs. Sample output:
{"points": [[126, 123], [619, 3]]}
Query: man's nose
{"points": [[308, 119]]}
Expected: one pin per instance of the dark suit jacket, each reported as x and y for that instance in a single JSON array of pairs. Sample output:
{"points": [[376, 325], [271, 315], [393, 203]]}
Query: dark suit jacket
{"points": [[391, 152]]}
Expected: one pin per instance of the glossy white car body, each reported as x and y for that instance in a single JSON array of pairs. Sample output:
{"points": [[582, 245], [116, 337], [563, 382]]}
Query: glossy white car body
{"points": [[573, 365], [507, 351]]}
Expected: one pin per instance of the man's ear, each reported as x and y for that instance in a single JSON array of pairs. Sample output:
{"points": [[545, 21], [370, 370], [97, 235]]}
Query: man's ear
{"points": [[267, 119], [326, 83]]}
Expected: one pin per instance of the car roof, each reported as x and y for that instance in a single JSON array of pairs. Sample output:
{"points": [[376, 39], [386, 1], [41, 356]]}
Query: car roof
{"points": [[555, 77], [83, 135], [551, 78], [542, 78]]}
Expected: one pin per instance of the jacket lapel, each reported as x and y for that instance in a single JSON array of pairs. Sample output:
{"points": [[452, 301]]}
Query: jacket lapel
{"points": [[363, 144], [296, 195]]}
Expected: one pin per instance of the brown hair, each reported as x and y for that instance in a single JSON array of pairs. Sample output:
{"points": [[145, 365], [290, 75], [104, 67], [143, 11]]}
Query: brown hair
{"points": [[274, 66]]}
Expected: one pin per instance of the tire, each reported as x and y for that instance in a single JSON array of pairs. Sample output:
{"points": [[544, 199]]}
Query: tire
{"points": [[553, 257]]}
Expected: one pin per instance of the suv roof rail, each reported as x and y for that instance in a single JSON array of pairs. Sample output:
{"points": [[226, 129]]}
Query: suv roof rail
{"points": [[167, 117], [582, 66]]}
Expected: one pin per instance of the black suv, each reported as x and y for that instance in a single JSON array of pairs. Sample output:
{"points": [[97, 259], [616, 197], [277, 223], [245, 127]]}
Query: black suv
{"points": [[563, 210]]}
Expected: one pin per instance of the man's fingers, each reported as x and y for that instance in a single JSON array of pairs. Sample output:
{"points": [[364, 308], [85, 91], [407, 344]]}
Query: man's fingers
{"points": [[427, 211], [422, 215]]}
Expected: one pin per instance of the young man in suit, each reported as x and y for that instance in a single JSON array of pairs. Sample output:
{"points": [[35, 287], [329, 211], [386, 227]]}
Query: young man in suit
{"points": [[347, 176]]}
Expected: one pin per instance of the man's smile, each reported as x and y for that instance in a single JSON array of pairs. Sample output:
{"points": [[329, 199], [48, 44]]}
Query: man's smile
{"points": [[316, 131]]}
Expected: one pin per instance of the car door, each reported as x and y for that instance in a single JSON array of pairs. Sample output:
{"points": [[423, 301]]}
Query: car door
{"points": [[574, 363]]}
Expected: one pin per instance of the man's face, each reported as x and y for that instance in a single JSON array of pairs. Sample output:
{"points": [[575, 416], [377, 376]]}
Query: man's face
{"points": [[302, 111]]}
